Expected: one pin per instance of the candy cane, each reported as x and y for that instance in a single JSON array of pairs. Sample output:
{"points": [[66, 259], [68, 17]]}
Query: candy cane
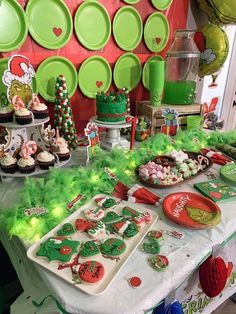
{"points": [[29, 148], [17, 102], [35, 100]]}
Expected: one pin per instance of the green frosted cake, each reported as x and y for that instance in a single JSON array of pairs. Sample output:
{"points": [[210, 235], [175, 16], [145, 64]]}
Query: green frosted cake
{"points": [[111, 107]]}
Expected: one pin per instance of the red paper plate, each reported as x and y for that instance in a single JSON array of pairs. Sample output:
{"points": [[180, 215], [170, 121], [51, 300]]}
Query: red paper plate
{"points": [[191, 210]]}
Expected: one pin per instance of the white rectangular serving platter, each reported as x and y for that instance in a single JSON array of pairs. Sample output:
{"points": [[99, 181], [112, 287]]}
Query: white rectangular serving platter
{"points": [[112, 267]]}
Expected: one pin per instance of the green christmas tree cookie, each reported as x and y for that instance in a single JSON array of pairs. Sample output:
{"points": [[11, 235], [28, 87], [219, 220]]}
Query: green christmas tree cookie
{"points": [[60, 250], [202, 216]]}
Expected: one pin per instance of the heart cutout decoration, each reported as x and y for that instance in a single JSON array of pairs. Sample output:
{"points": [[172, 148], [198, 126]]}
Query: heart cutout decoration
{"points": [[158, 40], [99, 84], [66, 229], [57, 31]]}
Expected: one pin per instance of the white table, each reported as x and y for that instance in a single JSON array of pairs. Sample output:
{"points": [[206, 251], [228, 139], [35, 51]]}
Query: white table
{"points": [[184, 256]]}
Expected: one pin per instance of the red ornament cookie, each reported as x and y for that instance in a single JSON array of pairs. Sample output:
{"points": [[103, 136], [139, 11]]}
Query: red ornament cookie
{"points": [[91, 271], [134, 282]]}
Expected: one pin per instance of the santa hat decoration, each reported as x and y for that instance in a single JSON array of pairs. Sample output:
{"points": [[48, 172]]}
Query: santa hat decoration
{"points": [[139, 194], [20, 69], [213, 274]]}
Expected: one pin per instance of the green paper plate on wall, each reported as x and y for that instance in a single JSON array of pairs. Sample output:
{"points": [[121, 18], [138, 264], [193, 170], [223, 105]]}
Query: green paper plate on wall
{"points": [[47, 73], [13, 26], [156, 32], [94, 76], [161, 4], [127, 71], [92, 25], [145, 76], [127, 38], [50, 23], [3, 88], [131, 1]]}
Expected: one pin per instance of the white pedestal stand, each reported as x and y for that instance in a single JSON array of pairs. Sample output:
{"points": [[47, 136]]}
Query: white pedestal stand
{"points": [[113, 138]]}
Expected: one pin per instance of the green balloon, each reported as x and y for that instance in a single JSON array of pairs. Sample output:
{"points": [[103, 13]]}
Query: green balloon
{"points": [[219, 11], [216, 49]]}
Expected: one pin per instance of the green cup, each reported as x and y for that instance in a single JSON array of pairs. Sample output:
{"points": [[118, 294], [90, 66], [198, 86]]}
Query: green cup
{"points": [[194, 122], [156, 81]]}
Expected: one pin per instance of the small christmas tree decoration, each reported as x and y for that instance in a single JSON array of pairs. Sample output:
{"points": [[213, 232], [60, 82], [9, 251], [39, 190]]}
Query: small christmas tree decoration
{"points": [[63, 116]]}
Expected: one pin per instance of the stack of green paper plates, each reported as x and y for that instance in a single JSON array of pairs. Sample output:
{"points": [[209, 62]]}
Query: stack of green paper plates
{"points": [[161, 4]]}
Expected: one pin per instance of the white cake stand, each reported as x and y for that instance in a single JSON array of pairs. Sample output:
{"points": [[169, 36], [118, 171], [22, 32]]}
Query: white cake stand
{"points": [[112, 138]]}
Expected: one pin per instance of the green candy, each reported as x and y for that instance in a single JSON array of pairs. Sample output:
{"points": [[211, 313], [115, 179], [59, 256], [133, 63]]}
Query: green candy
{"points": [[111, 217], [131, 230], [66, 230], [89, 249]]}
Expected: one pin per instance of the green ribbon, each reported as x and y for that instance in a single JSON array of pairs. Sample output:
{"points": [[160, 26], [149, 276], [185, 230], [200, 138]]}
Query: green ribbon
{"points": [[59, 306]]}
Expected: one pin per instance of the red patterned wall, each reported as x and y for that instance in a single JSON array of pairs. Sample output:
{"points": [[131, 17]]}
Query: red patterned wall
{"points": [[84, 108]]}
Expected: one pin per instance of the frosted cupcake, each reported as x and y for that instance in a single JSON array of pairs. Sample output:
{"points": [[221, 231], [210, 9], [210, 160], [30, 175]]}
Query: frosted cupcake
{"points": [[45, 160], [61, 149], [6, 114], [8, 164], [40, 110], [23, 116], [26, 164]]}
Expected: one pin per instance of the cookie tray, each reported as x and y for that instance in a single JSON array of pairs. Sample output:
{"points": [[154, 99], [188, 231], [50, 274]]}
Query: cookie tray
{"points": [[112, 267]]}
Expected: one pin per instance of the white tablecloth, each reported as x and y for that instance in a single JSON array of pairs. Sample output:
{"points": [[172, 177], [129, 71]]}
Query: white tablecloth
{"points": [[184, 256]]}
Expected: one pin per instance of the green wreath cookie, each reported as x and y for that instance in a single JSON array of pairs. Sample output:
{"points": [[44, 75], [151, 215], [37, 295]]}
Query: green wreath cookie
{"points": [[89, 249]]}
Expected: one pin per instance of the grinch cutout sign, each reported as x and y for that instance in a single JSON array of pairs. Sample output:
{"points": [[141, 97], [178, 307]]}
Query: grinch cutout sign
{"points": [[170, 126], [91, 131], [18, 79]]}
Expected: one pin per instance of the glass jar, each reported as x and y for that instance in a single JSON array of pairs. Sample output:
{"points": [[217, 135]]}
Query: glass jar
{"points": [[181, 69]]}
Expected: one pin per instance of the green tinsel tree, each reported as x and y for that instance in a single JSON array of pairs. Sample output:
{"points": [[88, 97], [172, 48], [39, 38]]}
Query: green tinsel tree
{"points": [[63, 117]]}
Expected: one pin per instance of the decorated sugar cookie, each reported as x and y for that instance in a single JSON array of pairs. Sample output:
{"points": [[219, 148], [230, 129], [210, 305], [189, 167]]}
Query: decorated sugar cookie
{"points": [[159, 262], [89, 249], [129, 212], [111, 217], [155, 234], [83, 224], [66, 230], [142, 219], [131, 230], [97, 231], [120, 227], [134, 282], [106, 203], [113, 247], [91, 272], [153, 247], [94, 214], [61, 250]]}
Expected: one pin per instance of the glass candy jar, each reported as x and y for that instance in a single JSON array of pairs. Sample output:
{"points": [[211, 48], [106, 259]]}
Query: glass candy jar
{"points": [[181, 69]]}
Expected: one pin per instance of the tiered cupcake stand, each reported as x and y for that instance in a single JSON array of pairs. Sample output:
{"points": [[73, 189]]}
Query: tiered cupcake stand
{"points": [[15, 134]]}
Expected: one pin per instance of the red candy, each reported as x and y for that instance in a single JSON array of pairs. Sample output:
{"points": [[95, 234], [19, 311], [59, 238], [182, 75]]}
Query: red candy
{"points": [[65, 250]]}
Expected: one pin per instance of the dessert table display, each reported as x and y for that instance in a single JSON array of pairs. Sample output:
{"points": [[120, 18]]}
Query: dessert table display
{"points": [[178, 246]]}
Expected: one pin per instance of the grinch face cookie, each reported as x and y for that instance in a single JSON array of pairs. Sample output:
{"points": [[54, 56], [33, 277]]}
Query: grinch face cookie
{"points": [[66, 230], [111, 217], [153, 247], [98, 231], [155, 234], [91, 272], [94, 214], [83, 224], [131, 230], [159, 262], [106, 203], [60, 250], [113, 247], [89, 249]]}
